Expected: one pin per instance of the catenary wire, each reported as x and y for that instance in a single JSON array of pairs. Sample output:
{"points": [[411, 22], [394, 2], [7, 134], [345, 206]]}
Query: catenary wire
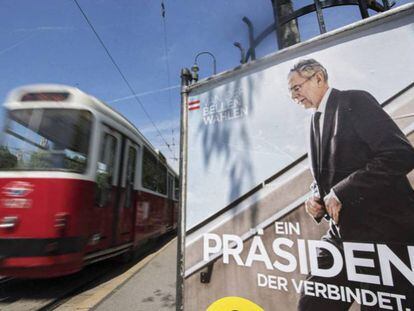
{"points": [[122, 75], [167, 63]]}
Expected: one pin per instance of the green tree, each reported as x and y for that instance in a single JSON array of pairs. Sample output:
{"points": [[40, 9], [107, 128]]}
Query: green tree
{"points": [[7, 159], [39, 160], [76, 164]]}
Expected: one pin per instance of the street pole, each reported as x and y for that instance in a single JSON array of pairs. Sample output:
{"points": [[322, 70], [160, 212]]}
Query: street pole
{"points": [[185, 82]]}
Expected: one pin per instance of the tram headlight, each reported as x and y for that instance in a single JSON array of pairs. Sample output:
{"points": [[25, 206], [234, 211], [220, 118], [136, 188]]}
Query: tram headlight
{"points": [[61, 222], [8, 222]]}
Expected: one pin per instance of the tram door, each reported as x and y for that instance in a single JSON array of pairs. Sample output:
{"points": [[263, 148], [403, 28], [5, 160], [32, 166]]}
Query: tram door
{"points": [[128, 196], [170, 205], [106, 189]]}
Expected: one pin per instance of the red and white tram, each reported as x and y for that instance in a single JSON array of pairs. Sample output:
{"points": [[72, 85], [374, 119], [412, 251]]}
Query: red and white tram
{"points": [[78, 183]]}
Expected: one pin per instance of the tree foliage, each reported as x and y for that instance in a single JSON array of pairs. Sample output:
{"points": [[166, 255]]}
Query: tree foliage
{"points": [[7, 159]]}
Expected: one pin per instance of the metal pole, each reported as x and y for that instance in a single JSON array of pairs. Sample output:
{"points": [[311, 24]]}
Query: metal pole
{"points": [[251, 37], [363, 8], [279, 35], [287, 33], [319, 14], [185, 81], [242, 52]]}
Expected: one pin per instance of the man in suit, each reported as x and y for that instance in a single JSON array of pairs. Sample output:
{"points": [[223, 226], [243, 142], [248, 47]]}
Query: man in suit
{"points": [[359, 161]]}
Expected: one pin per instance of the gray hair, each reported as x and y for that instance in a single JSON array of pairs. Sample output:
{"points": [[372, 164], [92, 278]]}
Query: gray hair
{"points": [[309, 67]]}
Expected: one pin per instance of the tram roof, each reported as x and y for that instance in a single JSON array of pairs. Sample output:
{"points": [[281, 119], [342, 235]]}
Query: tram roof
{"points": [[79, 97]]}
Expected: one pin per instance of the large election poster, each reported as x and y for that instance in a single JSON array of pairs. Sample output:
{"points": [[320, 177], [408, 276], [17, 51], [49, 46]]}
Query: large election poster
{"points": [[300, 175]]}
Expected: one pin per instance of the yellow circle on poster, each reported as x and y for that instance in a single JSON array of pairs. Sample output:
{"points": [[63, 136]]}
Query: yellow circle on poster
{"points": [[234, 304]]}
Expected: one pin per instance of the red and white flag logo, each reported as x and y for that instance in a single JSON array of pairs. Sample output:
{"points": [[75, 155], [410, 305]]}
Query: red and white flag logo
{"points": [[194, 105]]}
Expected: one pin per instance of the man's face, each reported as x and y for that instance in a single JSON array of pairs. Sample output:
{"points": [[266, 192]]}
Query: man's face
{"points": [[307, 92]]}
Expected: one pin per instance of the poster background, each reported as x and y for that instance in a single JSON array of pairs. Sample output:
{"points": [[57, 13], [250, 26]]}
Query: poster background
{"points": [[227, 159]]}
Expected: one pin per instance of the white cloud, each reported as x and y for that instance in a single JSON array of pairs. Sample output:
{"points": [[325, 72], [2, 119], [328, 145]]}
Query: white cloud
{"points": [[11, 47], [142, 94], [45, 28]]}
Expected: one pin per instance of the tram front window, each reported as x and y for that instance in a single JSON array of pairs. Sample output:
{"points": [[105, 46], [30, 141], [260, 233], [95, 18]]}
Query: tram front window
{"points": [[45, 139]]}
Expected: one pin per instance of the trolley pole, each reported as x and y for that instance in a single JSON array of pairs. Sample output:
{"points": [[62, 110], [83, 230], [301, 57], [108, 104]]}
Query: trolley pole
{"points": [[185, 82]]}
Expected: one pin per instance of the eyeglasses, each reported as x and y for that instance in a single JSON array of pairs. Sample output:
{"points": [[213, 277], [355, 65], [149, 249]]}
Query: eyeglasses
{"points": [[297, 87]]}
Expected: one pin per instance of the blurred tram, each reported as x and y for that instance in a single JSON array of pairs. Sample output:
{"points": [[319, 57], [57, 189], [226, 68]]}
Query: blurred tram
{"points": [[78, 184]]}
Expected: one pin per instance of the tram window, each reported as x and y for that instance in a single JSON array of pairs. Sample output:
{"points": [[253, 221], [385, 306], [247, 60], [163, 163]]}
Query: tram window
{"points": [[45, 96], [170, 186], [154, 173], [46, 140], [162, 178], [130, 176], [176, 188], [105, 170]]}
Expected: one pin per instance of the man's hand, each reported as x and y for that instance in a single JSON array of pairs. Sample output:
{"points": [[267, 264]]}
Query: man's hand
{"points": [[314, 208], [333, 207]]}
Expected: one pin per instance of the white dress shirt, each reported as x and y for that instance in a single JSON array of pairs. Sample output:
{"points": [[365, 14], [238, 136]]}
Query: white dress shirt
{"points": [[322, 108]]}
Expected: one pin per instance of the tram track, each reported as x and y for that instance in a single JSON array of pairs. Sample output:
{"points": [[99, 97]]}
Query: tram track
{"points": [[58, 301], [5, 279], [49, 294]]}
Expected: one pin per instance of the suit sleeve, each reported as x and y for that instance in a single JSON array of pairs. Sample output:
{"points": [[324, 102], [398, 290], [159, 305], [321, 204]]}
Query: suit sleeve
{"points": [[391, 154]]}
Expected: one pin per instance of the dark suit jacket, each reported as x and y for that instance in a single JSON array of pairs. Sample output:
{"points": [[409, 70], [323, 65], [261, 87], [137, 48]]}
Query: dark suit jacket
{"points": [[365, 159]]}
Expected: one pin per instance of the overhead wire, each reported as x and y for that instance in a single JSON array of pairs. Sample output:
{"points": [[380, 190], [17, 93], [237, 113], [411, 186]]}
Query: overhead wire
{"points": [[123, 76], [167, 62]]}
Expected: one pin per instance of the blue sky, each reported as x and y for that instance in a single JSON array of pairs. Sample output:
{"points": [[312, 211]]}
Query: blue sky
{"points": [[49, 41]]}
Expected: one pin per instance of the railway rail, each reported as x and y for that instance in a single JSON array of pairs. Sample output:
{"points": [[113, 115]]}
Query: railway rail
{"points": [[49, 294]]}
